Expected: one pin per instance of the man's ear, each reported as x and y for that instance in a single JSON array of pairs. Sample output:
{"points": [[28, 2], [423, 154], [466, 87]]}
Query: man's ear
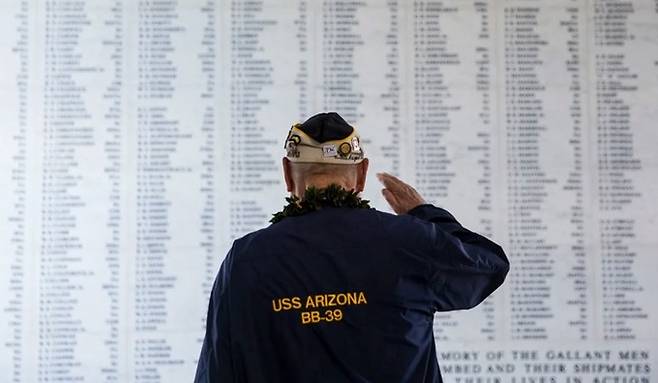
{"points": [[287, 174], [361, 172]]}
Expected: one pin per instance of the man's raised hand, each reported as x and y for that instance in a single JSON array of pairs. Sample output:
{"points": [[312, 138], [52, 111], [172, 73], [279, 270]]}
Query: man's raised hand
{"points": [[401, 196]]}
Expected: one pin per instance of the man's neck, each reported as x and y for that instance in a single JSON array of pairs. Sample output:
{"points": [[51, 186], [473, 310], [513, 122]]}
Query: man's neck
{"points": [[322, 183]]}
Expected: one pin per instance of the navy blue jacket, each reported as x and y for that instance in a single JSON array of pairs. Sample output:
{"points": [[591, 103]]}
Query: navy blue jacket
{"points": [[343, 295]]}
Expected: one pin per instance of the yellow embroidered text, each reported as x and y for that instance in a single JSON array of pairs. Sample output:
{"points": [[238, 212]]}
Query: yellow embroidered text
{"points": [[324, 307]]}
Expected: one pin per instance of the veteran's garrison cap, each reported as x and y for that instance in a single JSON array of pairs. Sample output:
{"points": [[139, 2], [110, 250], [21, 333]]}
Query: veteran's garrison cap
{"points": [[324, 138]]}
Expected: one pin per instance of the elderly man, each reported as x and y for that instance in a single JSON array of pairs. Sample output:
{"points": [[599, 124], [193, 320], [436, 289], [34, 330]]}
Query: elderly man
{"points": [[336, 291]]}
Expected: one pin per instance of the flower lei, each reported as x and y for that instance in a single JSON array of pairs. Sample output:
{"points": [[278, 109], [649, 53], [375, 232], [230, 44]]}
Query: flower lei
{"points": [[316, 198]]}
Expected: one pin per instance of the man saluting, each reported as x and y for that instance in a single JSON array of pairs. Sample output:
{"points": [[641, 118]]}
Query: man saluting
{"points": [[334, 290]]}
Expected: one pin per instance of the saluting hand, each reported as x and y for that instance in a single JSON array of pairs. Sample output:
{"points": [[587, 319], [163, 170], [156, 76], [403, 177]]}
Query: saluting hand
{"points": [[401, 196]]}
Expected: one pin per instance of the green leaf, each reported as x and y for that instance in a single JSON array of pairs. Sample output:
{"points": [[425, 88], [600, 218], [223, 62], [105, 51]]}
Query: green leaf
{"points": [[316, 198]]}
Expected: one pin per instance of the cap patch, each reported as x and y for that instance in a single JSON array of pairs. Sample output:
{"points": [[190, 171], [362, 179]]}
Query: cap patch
{"points": [[329, 150], [345, 149]]}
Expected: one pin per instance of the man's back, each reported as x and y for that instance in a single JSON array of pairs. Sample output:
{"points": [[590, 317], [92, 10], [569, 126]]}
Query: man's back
{"points": [[343, 295]]}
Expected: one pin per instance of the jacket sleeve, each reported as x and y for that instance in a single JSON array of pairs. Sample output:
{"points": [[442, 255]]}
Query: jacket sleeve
{"points": [[215, 363], [465, 267]]}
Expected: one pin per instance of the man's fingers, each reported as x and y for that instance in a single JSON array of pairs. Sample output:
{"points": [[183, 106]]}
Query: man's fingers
{"points": [[401, 196], [382, 177], [390, 182], [390, 198], [386, 177]]}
